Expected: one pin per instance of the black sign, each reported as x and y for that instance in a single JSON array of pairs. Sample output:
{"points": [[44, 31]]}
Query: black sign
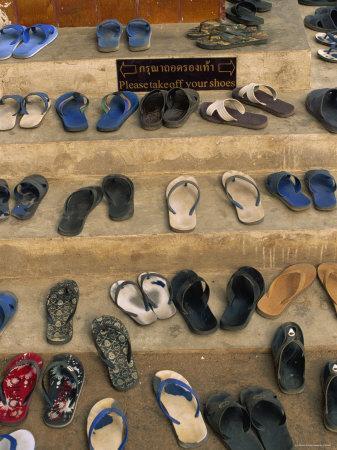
{"points": [[141, 75]]}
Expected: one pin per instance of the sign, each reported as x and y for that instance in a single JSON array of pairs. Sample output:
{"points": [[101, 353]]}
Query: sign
{"points": [[141, 75]]}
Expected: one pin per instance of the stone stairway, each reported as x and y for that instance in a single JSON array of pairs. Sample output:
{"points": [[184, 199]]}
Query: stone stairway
{"points": [[34, 256]]}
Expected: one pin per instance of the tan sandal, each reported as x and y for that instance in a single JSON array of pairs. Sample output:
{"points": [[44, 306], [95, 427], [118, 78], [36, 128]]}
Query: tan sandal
{"points": [[327, 274], [285, 288], [9, 111], [34, 110]]}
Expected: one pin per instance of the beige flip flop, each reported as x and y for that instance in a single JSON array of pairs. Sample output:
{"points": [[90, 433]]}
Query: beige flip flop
{"points": [[243, 193], [181, 407], [34, 110], [182, 196], [327, 274], [107, 426], [10, 108], [285, 288]]}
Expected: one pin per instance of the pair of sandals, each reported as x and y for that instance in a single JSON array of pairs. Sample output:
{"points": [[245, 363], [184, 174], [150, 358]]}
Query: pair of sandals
{"points": [[24, 42], [110, 31], [323, 20], [322, 104], [117, 107], [147, 301], [28, 111], [244, 11], [288, 188], [28, 195], [330, 40], [118, 190]]}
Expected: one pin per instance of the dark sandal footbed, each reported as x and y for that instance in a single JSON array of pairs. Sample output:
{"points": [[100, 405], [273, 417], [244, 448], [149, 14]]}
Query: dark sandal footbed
{"points": [[180, 104], [28, 195], [322, 186], [324, 22], [152, 108], [244, 12], [225, 41], [329, 388], [323, 106], [119, 191], [4, 199], [261, 5]]}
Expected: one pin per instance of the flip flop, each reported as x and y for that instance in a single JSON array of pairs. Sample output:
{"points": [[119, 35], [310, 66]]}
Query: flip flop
{"points": [[181, 406], [244, 12], [231, 422], [139, 35], [327, 274], [8, 308], [329, 55], [109, 34], [71, 107], [329, 387], [180, 104], [10, 37], [33, 111], [243, 193], [322, 104], [219, 40], [112, 342], [130, 299], [326, 21], [157, 290], [152, 108], [9, 111], [232, 112], [61, 307], [4, 200], [260, 5], [268, 418], [35, 39], [285, 288], [20, 379], [318, 2], [117, 108], [287, 188], [77, 207], [244, 290], [326, 38], [210, 26], [289, 358], [190, 295], [28, 195], [62, 384], [322, 186], [107, 426], [254, 95], [18, 440], [182, 198], [119, 193]]}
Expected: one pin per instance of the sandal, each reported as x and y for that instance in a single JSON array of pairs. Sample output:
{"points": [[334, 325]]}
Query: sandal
{"points": [[322, 186], [61, 307], [182, 198], [10, 37], [326, 21], [329, 387], [109, 35], [113, 346], [71, 107], [35, 39], [28, 195], [117, 108], [285, 288], [260, 5], [322, 104], [287, 188], [157, 290], [289, 358], [139, 35], [225, 40], [190, 295], [4, 200], [243, 193], [152, 108], [107, 426], [34, 111], [329, 55], [119, 193], [209, 26], [318, 2], [244, 12], [9, 111], [326, 38], [181, 406], [180, 104], [19, 439], [8, 308], [65, 379], [327, 274]]}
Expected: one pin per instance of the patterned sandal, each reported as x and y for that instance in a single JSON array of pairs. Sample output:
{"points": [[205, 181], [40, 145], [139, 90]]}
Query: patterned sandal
{"points": [[220, 40], [113, 346], [61, 306], [65, 382]]}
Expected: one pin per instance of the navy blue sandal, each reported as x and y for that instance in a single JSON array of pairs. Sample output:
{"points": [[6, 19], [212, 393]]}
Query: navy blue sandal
{"points": [[70, 107], [322, 186], [288, 189], [108, 35], [116, 110], [8, 307], [4, 199], [28, 195]]}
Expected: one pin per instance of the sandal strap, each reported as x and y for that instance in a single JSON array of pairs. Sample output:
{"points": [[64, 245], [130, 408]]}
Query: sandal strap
{"points": [[229, 196], [105, 412], [20, 32], [44, 97], [186, 286], [78, 97], [62, 365], [17, 98], [107, 25], [292, 335], [11, 439], [250, 90], [148, 275], [216, 411], [219, 106], [106, 105], [263, 396], [147, 302], [244, 5], [47, 30], [331, 182], [183, 183]]}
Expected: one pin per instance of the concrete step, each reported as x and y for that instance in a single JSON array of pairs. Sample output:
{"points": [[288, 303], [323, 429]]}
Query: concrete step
{"points": [[73, 62], [207, 373]]}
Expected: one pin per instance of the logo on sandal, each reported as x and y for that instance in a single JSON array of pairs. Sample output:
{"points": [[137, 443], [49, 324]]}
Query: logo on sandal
{"points": [[291, 332]]}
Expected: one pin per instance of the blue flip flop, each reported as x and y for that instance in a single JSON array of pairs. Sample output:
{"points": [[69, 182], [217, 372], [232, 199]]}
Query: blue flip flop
{"points": [[116, 110], [8, 307], [4, 199], [288, 189], [10, 37], [139, 35], [322, 186], [108, 35], [35, 38], [70, 107]]}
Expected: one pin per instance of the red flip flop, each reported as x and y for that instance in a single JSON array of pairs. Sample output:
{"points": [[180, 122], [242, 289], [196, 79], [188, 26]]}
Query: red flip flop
{"points": [[20, 379]]}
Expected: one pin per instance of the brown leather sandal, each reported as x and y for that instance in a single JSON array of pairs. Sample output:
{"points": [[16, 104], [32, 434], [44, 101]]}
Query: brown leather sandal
{"points": [[327, 274]]}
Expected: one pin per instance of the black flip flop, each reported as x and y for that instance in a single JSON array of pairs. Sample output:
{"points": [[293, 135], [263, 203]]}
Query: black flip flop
{"points": [[231, 422], [190, 295], [152, 108], [244, 12], [260, 5], [77, 208], [329, 386], [289, 358], [4, 199], [119, 192], [268, 418], [180, 104], [28, 195], [244, 290]]}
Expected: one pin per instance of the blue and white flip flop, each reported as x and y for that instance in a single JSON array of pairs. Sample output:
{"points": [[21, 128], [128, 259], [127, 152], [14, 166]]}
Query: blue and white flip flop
{"points": [[322, 186], [4, 199], [35, 38], [19, 439], [8, 307], [108, 35], [326, 38], [139, 35], [286, 187], [10, 37], [117, 108], [70, 107]]}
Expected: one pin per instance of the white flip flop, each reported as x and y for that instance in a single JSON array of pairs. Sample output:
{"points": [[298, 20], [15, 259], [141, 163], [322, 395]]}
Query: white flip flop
{"points": [[182, 196], [129, 298], [23, 439], [10, 108], [324, 38], [329, 55], [34, 111], [107, 426], [157, 289]]}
